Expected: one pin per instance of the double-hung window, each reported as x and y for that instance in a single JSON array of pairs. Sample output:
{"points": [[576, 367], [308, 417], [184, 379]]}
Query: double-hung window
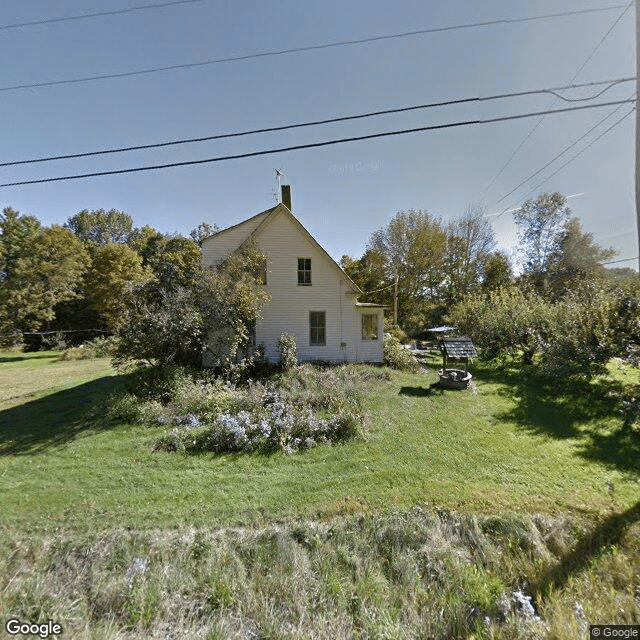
{"points": [[304, 271], [317, 328]]}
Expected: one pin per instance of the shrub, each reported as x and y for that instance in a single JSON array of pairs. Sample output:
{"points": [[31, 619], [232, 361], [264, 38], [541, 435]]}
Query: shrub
{"points": [[298, 410], [288, 351], [168, 395], [397, 357], [125, 407], [278, 425], [507, 321], [582, 336], [396, 332], [99, 347]]}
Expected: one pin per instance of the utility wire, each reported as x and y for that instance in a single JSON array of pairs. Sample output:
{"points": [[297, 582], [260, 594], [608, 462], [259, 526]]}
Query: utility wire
{"points": [[567, 148], [570, 160], [315, 47], [537, 124], [312, 145], [97, 14], [623, 260], [615, 124], [609, 83]]}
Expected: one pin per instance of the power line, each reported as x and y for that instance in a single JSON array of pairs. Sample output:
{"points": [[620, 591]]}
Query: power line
{"points": [[311, 145], [97, 14], [573, 144], [553, 91], [570, 160], [576, 74], [623, 260], [615, 124], [315, 47]]}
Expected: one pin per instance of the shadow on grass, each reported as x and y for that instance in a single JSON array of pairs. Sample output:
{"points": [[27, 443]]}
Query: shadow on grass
{"points": [[421, 392], [607, 534], [21, 357], [595, 413], [36, 426]]}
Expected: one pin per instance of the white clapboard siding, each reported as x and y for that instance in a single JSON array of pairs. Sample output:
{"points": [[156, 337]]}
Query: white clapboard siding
{"points": [[218, 246], [283, 240]]}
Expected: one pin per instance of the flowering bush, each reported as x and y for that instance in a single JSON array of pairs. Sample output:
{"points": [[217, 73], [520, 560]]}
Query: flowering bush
{"points": [[279, 425], [295, 410]]}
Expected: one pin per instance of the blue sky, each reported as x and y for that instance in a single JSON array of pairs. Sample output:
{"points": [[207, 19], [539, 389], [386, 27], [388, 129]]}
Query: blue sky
{"points": [[341, 193]]}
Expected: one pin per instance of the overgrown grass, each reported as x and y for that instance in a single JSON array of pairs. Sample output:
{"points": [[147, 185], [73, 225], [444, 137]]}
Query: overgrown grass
{"points": [[402, 574], [298, 409]]}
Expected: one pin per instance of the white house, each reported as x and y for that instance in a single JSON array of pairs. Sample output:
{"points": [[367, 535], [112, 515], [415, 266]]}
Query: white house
{"points": [[311, 296]]}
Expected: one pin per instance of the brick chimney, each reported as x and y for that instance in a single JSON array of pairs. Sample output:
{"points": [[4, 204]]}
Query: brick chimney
{"points": [[286, 196]]}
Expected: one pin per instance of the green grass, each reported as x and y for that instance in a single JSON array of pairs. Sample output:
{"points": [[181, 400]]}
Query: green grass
{"points": [[506, 447], [453, 501]]}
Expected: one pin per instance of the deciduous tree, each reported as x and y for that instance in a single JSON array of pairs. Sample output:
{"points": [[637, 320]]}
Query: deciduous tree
{"points": [[39, 268], [470, 240], [101, 227], [114, 268], [179, 324], [202, 231], [575, 260], [540, 224], [413, 247]]}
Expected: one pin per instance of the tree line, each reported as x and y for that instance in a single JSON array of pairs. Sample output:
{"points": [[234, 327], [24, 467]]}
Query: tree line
{"points": [[418, 265], [560, 307], [75, 276]]}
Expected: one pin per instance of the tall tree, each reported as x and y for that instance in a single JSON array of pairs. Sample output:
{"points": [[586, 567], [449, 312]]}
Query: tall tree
{"points": [[496, 271], [101, 227], [413, 247], [39, 268], [174, 260], [470, 240], [576, 259], [540, 224], [114, 269], [370, 275]]}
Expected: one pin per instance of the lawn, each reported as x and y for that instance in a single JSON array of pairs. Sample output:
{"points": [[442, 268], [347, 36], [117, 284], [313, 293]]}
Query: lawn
{"points": [[501, 447], [453, 511]]}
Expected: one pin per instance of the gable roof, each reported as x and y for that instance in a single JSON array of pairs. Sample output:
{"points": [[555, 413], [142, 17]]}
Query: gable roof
{"points": [[255, 226], [251, 224]]}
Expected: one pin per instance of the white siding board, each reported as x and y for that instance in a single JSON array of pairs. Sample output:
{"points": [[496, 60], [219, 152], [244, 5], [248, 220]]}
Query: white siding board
{"points": [[283, 242], [218, 246]]}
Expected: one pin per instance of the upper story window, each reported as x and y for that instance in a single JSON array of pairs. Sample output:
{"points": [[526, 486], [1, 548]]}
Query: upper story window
{"points": [[369, 326], [304, 271]]}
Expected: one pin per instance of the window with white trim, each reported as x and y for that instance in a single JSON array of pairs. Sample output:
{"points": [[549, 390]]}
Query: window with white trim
{"points": [[317, 328], [304, 272]]}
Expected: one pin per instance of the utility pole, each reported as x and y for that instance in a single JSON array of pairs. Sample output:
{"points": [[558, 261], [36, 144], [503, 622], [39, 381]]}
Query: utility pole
{"points": [[638, 128]]}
